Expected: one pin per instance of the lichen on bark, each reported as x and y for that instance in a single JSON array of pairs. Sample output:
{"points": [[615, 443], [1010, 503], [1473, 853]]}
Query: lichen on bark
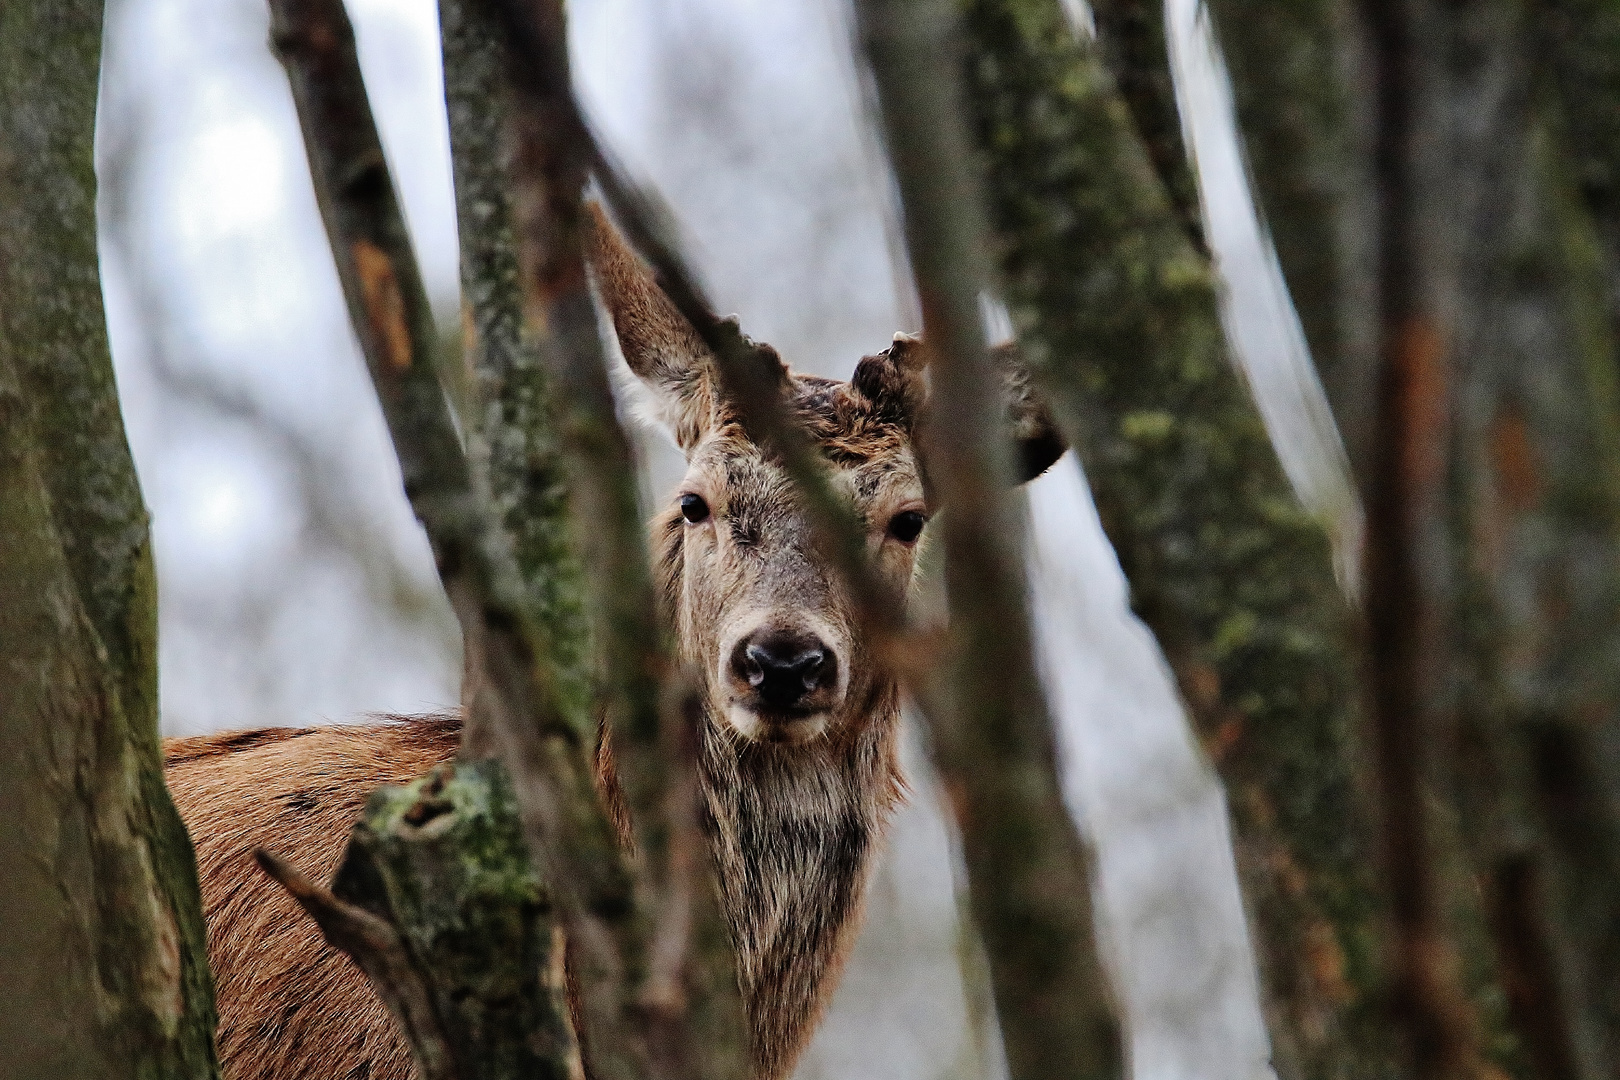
{"points": [[514, 440], [104, 880], [443, 859], [1116, 312]]}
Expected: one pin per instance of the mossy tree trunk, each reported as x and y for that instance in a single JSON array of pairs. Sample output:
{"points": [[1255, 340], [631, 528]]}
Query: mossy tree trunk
{"points": [[1524, 185], [101, 930], [1115, 307]]}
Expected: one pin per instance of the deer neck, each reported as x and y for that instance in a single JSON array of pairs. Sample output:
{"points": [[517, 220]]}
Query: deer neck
{"points": [[794, 831]]}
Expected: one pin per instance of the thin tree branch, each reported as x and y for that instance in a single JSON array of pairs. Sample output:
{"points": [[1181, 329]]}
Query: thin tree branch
{"points": [[1028, 879], [680, 1034], [567, 832], [380, 952]]}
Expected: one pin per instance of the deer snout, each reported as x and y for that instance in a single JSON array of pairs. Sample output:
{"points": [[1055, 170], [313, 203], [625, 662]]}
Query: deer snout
{"points": [[784, 670]]}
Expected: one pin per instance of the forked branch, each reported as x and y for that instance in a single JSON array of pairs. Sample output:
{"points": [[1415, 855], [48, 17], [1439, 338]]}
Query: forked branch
{"points": [[567, 833]]}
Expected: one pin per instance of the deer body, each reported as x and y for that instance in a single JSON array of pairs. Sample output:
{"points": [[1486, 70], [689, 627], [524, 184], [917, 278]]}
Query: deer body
{"points": [[799, 764]]}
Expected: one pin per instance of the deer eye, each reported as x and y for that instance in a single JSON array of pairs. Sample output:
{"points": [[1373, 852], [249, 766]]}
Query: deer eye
{"points": [[694, 509], [906, 526]]}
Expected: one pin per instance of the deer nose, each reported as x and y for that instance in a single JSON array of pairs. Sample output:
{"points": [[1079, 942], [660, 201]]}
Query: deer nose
{"points": [[783, 670]]}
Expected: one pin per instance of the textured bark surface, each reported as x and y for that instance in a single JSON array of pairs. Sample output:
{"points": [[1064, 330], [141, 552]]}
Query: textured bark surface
{"points": [[1131, 38], [100, 920], [679, 1001], [1538, 520], [1409, 591], [1116, 310], [1518, 284], [514, 438], [518, 709], [443, 861], [1577, 49], [1028, 875]]}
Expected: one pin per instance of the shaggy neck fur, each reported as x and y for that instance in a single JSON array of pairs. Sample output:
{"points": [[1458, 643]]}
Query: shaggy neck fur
{"points": [[793, 831]]}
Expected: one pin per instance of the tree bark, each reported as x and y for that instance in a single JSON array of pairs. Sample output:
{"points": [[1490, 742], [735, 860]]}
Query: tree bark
{"points": [[1524, 285], [1293, 66], [100, 919], [1576, 48], [1029, 881], [1538, 533], [1116, 311], [512, 438], [1131, 38]]}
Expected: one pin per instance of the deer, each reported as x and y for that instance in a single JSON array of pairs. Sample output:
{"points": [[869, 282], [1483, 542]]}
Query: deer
{"points": [[798, 755]]}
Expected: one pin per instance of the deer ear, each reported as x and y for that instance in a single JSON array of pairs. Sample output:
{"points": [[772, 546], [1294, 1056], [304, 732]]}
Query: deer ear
{"points": [[893, 381], [659, 345], [1035, 434]]}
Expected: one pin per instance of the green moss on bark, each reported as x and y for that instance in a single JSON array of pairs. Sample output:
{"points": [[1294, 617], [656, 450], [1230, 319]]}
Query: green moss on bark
{"points": [[1116, 311], [122, 856], [515, 442], [1131, 36], [443, 860]]}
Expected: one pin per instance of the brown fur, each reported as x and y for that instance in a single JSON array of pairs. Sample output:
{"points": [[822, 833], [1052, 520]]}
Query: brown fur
{"points": [[290, 1007], [797, 795]]}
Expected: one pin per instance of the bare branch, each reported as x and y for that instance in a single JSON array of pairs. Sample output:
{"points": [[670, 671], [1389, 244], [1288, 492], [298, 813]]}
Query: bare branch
{"points": [[1028, 877], [679, 1034], [377, 948]]}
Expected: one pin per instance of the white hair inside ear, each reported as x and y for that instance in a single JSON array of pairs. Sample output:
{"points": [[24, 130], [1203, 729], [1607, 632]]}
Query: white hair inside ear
{"points": [[639, 405]]}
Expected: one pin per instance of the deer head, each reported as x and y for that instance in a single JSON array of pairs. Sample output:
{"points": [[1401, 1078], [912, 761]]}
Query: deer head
{"points": [[756, 609], [799, 744]]}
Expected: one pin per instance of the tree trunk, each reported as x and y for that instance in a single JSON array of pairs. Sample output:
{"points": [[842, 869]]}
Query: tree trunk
{"points": [[1537, 518], [1029, 878], [1131, 38], [1292, 68], [1116, 309], [1526, 285], [100, 919]]}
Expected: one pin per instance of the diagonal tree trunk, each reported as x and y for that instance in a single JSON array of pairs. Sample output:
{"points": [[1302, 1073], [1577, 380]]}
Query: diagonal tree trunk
{"points": [[100, 919], [1116, 309]]}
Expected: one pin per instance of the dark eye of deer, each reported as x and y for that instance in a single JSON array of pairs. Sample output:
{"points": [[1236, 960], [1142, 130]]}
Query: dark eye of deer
{"points": [[906, 526], [694, 509]]}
